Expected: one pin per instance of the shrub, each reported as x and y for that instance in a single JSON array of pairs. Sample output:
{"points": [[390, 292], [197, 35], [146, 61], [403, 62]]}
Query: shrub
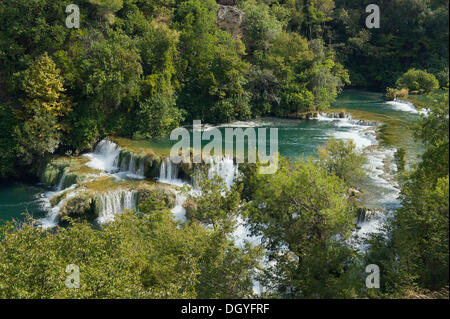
{"points": [[392, 94], [418, 81]]}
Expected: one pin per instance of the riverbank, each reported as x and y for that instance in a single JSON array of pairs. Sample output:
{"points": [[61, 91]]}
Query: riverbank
{"points": [[144, 159]]}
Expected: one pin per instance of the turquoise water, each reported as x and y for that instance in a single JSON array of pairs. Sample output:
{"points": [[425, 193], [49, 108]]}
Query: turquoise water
{"points": [[17, 198], [296, 138]]}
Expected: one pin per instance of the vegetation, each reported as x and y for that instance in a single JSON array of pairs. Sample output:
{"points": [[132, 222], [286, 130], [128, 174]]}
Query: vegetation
{"points": [[418, 81], [136, 69], [143, 255], [413, 251]]}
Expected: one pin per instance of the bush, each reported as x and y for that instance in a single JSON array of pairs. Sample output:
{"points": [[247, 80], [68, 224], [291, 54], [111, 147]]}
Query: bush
{"points": [[392, 94], [418, 81]]}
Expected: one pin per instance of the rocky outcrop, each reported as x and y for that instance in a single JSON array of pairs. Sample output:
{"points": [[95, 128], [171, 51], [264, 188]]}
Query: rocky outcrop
{"points": [[65, 171], [91, 202], [230, 19]]}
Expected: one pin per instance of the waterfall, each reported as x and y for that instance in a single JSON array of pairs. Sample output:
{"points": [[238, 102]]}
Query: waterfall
{"points": [[140, 171], [106, 158], [61, 181], [179, 211], [225, 168], [51, 219], [132, 166], [168, 173], [116, 202], [128, 166], [361, 132]]}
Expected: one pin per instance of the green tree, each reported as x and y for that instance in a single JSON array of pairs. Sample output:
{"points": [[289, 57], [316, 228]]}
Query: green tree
{"points": [[342, 159], [261, 27], [304, 218], [414, 247], [418, 80], [211, 64], [158, 116], [8, 145], [111, 70], [42, 106]]}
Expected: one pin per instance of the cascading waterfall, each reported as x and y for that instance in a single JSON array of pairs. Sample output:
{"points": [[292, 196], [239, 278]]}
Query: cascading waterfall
{"points": [[361, 132], [61, 181], [129, 169], [383, 193], [112, 203], [179, 211], [226, 169], [168, 172], [140, 170], [52, 212], [106, 158]]}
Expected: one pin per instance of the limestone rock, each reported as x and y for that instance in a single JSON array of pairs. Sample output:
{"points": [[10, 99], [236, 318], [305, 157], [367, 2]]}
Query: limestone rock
{"points": [[230, 19]]}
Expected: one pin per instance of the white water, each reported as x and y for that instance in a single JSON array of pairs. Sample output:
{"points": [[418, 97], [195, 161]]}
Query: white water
{"points": [[106, 158], [61, 181], [225, 168], [359, 132], [51, 219], [168, 173], [113, 203], [380, 168], [404, 106]]}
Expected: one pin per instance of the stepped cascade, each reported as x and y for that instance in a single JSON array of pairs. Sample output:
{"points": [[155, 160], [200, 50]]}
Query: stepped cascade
{"points": [[112, 203]]}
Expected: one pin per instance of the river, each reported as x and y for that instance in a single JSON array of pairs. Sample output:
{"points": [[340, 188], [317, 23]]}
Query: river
{"points": [[300, 138]]}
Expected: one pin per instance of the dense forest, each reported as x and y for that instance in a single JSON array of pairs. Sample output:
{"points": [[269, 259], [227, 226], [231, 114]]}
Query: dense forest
{"points": [[140, 68]]}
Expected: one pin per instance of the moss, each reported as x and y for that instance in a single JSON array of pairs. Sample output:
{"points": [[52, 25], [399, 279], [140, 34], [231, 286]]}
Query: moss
{"points": [[57, 198], [144, 147], [81, 206], [152, 164], [53, 172], [74, 167], [84, 205]]}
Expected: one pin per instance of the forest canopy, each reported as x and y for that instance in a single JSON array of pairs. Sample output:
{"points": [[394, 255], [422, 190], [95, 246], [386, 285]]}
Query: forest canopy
{"points": [[139, 68]]}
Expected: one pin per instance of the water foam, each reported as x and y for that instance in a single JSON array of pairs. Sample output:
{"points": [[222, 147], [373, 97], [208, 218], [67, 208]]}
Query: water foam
{"points": [[403, 106]]}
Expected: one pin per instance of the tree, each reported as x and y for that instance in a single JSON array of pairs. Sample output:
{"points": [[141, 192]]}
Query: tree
{"points": [[158, 116], [216, 206], [42, 106], [414, 247], [211, 64], [342, 159], [304, 218], [8, 145], [139, 255], [261, 27], [111, 70], [418, 80]]}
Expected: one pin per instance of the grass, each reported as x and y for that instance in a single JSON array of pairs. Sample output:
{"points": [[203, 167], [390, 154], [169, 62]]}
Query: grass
{"points": [[426, 100]]}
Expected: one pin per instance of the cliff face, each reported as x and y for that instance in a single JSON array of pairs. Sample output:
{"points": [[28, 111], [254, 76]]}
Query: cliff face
{"points": [[230, 18]]}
